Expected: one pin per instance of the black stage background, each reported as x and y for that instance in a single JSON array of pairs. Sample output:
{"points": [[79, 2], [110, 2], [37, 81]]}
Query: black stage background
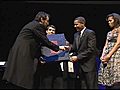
{"points": [[15, 14]]}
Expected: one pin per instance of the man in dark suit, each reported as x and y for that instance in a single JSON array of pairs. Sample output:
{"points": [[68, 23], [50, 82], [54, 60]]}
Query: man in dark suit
{"points": [[20, 65], [84, 55]]}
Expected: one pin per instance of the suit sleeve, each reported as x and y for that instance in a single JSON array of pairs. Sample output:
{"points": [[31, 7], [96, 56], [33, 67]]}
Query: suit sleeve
{"points": [[73, 46], [91, 47], [44, 40]]}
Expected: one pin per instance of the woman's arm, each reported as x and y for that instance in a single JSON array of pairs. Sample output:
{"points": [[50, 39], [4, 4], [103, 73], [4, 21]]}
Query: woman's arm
{"points": [[103, 51], [114, 49]]}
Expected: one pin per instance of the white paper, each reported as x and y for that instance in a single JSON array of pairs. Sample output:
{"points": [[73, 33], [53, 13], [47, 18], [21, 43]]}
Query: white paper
{"points": [[2, 62], [70, 67], [61, 64]]}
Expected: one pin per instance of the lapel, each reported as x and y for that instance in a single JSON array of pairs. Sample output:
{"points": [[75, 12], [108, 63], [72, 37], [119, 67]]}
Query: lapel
{"points": [[81, 39], [77, 40]]}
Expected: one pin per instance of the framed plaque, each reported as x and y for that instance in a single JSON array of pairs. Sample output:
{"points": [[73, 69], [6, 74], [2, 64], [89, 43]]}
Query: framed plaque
{"points": [[50, 55]]}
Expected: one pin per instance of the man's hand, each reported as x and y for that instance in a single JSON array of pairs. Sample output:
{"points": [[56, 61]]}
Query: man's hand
{"points": [[42, 62], [67, 48], [73, 58], [64, 48]]}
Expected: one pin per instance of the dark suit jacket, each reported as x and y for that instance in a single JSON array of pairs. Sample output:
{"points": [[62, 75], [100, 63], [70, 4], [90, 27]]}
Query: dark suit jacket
{"points": [[20, 65], [86, 50]]}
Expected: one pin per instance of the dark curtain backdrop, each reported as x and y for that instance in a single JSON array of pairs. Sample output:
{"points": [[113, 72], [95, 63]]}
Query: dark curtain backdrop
{"points": [[15, 14]]}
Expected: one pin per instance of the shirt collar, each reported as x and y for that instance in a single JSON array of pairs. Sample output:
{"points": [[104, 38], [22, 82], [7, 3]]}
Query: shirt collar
{"points": [[83, 30]]}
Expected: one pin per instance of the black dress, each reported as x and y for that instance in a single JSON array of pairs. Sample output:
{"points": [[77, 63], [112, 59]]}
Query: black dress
{"points": [[20, 65]]}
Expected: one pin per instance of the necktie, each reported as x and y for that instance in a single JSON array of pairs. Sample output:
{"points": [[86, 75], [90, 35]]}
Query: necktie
{"points": [[79, 37], [79, 33]]}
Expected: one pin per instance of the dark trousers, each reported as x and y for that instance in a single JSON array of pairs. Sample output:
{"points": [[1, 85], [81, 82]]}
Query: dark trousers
{"points": [[69, 79], [88, 80], [48, 76]]}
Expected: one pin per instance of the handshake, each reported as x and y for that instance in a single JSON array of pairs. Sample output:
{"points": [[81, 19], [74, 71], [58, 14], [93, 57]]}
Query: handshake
{"points": [[67, 48]]}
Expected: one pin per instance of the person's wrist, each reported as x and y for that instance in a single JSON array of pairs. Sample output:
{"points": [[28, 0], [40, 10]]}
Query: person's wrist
{"points": [[61, 47], [108, 55]]}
